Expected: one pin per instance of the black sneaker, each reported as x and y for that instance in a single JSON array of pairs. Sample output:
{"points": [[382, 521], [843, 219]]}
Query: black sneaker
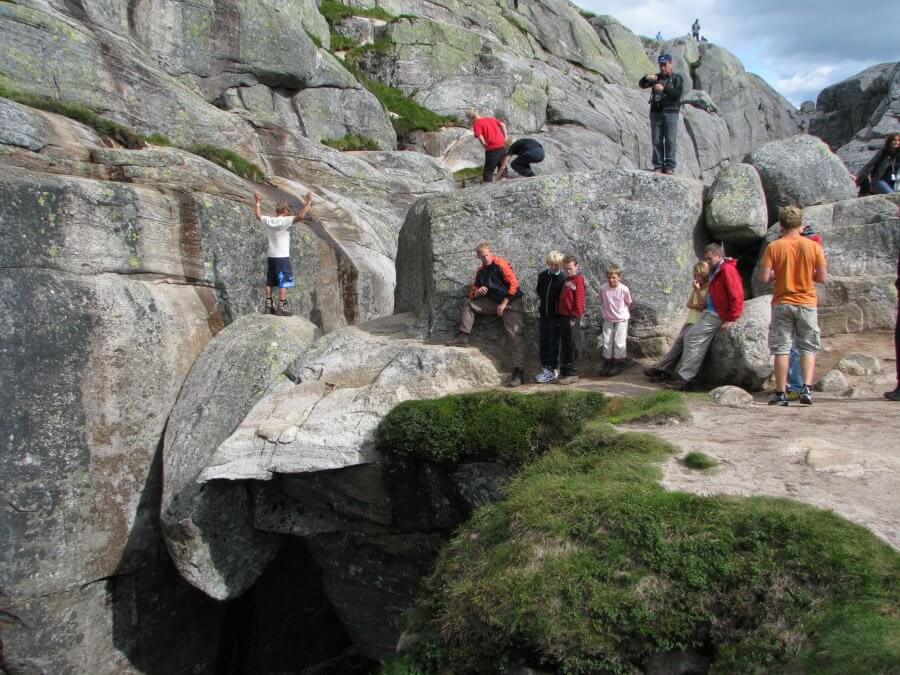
{"points": [[806, 395], [780, 398], [893, 395], [516, 379], [679, 384]]}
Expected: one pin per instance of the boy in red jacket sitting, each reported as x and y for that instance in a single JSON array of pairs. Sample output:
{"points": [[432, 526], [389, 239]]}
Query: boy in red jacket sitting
{"points": [[571, 309]]}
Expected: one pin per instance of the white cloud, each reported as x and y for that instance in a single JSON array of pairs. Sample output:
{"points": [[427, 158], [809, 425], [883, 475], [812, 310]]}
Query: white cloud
{"points": [[805, 81]]}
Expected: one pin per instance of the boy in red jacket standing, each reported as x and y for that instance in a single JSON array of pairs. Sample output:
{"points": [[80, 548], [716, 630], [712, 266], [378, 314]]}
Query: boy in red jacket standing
{"points": [[492, 135], [724, 306], [571, 309]]}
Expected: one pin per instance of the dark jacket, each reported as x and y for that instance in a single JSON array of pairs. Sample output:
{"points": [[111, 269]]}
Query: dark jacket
{"points": [[573, 296], [549, 286], [727, 291], [669, 99], [499, 279], [879, 165]]}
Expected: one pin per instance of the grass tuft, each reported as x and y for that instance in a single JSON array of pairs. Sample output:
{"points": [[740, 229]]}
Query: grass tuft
{"points": [[229, 160], [104, 127], [467, 174], [589, 566], [335, 11], [352, 142], [341, 43], [699, 461]]}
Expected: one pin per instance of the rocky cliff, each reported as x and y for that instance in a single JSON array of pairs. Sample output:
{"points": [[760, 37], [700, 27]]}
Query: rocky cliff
{"points": [[124, 251]]}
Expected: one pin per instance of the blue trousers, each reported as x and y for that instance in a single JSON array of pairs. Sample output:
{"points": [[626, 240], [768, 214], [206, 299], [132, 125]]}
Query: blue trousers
{"points": [[881, 187], [664, 136], [795, 373]]}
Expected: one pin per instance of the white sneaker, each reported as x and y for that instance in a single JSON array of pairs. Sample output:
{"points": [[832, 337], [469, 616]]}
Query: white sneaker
{"points": [[546, 375]]}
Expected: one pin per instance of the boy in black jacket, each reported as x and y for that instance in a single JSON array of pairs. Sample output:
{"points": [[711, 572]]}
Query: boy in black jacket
{"points": [[549, 285]]}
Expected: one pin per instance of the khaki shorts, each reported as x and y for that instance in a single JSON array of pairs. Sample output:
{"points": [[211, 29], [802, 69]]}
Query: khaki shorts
{"points": [[789, 321]]}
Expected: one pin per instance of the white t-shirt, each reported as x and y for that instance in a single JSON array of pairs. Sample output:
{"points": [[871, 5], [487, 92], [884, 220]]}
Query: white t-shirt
{"points": [[278, 231]]}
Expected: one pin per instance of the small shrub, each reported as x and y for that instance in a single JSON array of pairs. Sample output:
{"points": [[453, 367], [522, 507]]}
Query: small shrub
{"points": [[700, 461], [352, 142], [230, 160], [470, 173], [341, 43]]}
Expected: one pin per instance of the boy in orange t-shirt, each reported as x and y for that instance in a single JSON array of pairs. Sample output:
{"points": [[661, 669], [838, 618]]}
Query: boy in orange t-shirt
{"points": [[796, 264]]}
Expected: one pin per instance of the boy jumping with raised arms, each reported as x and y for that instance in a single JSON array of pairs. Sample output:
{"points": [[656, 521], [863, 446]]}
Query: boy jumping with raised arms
{"points": [[278, 263]]}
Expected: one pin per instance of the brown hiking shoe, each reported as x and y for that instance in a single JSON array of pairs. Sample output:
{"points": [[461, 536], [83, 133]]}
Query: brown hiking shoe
{"points": [[459, 340], [282, 308], [568, 379], [269, 307]]}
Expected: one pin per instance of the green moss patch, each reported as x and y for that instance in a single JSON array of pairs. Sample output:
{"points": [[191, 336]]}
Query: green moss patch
{"points": [[700, 461], [590, 566], [491, 425], [335, 11], [340, 43], [352, 142], [468, 174], [229, 160]]}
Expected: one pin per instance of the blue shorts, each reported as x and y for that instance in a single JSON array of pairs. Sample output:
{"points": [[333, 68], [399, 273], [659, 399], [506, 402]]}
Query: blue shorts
{"points": [[279, 272]]}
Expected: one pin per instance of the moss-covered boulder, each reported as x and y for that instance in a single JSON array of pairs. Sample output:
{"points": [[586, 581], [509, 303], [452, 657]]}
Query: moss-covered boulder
{"points": [[590, 566], [736, 206]]}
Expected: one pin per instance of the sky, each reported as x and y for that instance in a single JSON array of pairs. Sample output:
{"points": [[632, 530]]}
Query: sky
{"points": [[798, 46]]}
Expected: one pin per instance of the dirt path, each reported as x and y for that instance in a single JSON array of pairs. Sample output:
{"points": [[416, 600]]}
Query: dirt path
{"points": [[842, 453]]}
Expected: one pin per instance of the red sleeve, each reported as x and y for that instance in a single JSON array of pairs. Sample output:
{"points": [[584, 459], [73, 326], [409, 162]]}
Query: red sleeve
{"points": [[580, 296], [510, 277], [734, 289]]}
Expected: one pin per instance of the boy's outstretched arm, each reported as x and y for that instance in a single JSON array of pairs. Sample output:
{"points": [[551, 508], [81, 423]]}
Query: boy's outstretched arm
{"points": [[301, 214], [258, 198]]}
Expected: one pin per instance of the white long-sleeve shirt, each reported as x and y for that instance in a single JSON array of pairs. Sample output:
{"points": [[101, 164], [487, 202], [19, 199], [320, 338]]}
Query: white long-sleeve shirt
{"points": [[278, 231]]}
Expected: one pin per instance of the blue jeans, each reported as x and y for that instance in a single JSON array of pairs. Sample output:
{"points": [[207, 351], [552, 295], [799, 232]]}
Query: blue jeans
{"points": [[795, 372], [664, 136], [881, 187]]}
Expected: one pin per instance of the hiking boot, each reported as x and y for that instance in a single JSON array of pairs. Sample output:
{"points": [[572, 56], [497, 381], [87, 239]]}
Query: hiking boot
{"points": [[669, 172], [806, 395], [269, 308], [516, 379], [568, 379], [459, 340], [780, 398], [282, 308], [605, 369], [678, 384], [545, 376], [893, 395], [656, 375], [616, 367], [792, 395]]}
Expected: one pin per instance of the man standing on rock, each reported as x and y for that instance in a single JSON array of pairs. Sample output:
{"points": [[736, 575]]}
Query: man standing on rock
{"points": [[695, 29], [665, 106], [724, 306], [496, 292], [491, 133], [796, 264]]}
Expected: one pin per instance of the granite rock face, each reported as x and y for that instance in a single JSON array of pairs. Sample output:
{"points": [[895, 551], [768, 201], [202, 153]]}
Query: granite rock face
{"points": [[855, 115], [641, 221], [800, 171], [861, 239], [740, 355], [736, 206]]}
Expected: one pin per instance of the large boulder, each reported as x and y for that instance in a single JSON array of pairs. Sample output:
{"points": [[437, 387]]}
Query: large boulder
{"points": [[854, 115], [208, 526], [754, 112], [861, 239], [802, 171], [639, 220], [740, 355], [736, 206], [294, 408]]}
